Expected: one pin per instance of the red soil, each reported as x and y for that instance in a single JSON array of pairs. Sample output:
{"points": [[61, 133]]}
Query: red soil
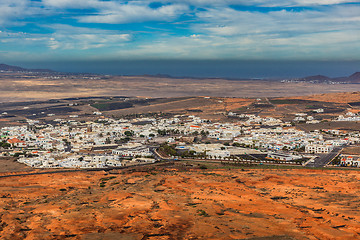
{"points": [[182, 204]]}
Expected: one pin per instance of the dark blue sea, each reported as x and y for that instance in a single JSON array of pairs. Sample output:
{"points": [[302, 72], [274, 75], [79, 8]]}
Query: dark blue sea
{"points": [[235, 69]]}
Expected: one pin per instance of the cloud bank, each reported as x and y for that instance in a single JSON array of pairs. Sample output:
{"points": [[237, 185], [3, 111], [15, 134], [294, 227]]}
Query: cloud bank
{"points": [[188, 29]]}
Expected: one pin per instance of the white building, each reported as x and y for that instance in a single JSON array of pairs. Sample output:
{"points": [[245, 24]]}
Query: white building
{"points": [[133, 152], [283, 157], [318, 148]]}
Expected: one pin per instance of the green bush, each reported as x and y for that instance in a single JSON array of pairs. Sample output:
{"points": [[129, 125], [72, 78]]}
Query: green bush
{"points": [[202, 213], [203, 167]]}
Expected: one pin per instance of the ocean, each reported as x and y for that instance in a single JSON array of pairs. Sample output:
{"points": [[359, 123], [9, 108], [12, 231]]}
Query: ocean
{"points": [[235, 69]]}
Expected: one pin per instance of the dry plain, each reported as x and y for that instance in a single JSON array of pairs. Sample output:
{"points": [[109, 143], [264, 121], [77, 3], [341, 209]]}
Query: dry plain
{"points": [[25, 87], [182, 201]]}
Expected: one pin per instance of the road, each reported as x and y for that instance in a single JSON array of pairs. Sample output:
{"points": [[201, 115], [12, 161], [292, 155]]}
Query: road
{"points": [[323, 159], [157, 155], [320, 161]]}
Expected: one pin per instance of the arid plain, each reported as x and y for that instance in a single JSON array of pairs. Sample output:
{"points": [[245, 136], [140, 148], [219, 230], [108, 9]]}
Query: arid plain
{"points": [[24, 87], [182, 201]]}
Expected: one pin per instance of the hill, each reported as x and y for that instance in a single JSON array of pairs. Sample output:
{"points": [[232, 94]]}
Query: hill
{"points": [[320, 78], [9, 68], [354, 78]]}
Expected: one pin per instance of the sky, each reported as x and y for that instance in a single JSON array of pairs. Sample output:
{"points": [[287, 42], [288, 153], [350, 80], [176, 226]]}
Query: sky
{"points": [[43, 31]]}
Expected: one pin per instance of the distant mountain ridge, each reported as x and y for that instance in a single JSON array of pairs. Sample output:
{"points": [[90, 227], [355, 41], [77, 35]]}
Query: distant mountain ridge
{"points": [[317, 77], [354, 78], [9, 68]]}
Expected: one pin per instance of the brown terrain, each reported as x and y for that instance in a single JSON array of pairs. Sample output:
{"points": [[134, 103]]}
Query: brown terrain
{"points": [[28, 86], [213, 108], [207, 98], [182, 201], [10, 165], [344, 97]]}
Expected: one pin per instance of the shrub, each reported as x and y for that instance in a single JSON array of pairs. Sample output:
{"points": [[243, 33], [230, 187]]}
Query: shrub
{"points": [[202, 213], [203, 167]]}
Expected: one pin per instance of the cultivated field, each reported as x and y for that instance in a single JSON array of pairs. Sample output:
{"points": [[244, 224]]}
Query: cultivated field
{"points": [[213, 108]]}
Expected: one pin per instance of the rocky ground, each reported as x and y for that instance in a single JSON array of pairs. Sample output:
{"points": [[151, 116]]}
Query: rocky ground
{"points": [[182, 201]]}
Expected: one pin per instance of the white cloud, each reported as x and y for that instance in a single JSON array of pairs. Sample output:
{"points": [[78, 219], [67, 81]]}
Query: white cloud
{"points": [[230, 22], [326, 33], [321, 2], [80, 4], [67, 37], [120, 11], [324, 29], [265, 3], [321, 46], [10, 9], [128, 13]]}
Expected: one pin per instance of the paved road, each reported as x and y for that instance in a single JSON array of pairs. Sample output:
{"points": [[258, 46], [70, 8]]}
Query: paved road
{"points": [[157, 155], [323, 159]]}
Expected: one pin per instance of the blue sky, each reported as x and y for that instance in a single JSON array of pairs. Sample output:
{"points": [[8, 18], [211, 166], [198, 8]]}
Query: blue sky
{"points": [[40, 30]]}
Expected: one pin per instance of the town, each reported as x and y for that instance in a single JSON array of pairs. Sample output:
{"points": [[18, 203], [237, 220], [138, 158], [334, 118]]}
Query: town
{"points": [[107, 142]]}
